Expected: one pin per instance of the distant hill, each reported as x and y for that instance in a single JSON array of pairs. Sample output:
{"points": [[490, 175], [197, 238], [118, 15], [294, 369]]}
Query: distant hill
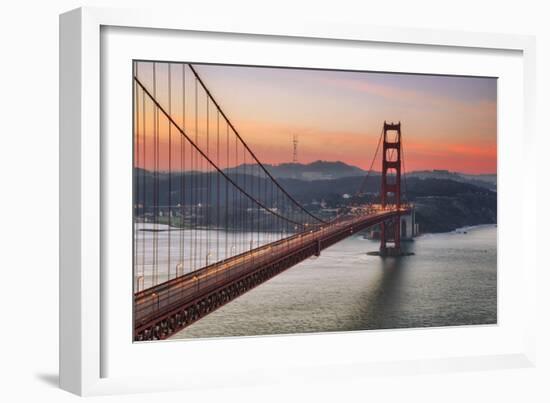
{"points": [[413, 188], [442, 204], [488, 181], [329, 170]]}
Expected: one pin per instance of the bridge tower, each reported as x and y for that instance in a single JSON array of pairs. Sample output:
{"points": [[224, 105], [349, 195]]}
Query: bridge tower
{"points": [[391, 188]]}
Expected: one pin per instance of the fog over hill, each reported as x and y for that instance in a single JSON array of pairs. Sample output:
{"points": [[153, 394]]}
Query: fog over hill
{"points": [[313, 171], [488, 181]]}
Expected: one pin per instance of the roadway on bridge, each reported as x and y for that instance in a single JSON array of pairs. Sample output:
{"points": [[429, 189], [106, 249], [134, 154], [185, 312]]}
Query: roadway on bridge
{"points": [[181, 290]]}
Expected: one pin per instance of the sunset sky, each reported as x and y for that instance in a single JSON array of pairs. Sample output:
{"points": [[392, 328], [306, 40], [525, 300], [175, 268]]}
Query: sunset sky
{"points": [[447, 122]]}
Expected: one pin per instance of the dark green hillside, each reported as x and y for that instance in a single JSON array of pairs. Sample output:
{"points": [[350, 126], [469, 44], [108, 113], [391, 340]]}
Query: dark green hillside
{"points": [[441, 204]]}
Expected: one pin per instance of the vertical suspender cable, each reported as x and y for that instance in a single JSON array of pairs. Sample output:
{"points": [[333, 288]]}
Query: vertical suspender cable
{"points": [[155, 181], [144, 185], [207, 173], [136, 178], [218, 188], [182, 176], [169, 170]]}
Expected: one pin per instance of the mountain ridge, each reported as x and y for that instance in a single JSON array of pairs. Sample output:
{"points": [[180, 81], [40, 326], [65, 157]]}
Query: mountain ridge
{"points": [[327, 170]]}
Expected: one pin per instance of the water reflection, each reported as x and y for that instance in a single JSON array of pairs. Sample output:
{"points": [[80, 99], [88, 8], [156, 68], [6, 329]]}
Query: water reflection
{"points": [[378, 302], [450, 280]]}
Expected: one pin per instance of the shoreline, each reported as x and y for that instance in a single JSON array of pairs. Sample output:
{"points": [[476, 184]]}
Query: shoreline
{"points": [[460, 230]]}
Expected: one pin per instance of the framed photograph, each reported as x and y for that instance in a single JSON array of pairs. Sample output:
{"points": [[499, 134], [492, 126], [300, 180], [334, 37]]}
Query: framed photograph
{"points": [[313, 201]]}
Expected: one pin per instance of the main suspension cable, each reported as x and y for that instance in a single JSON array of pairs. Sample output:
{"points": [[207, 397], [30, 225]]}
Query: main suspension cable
{"points": [[364, 182], [249, 150], [207, 158]]}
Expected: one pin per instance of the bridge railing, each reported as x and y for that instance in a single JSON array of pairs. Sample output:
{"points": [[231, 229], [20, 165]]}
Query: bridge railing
{"points": [[190, 284], [195, 284]]}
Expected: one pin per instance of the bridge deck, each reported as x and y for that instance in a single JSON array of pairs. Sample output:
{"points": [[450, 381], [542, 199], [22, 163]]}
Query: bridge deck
{"points": [[168, 307]]}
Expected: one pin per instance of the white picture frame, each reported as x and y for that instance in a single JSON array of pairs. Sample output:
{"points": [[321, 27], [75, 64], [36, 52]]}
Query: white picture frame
{"points": [[86, 346]]}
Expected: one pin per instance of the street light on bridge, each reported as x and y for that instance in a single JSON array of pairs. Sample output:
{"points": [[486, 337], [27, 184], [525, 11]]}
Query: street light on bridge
{"points": [[142, 279], [179, 267]]}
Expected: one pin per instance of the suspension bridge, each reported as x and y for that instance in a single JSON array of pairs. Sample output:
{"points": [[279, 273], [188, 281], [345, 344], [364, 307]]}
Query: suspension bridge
{"points": [[210, 221]]}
